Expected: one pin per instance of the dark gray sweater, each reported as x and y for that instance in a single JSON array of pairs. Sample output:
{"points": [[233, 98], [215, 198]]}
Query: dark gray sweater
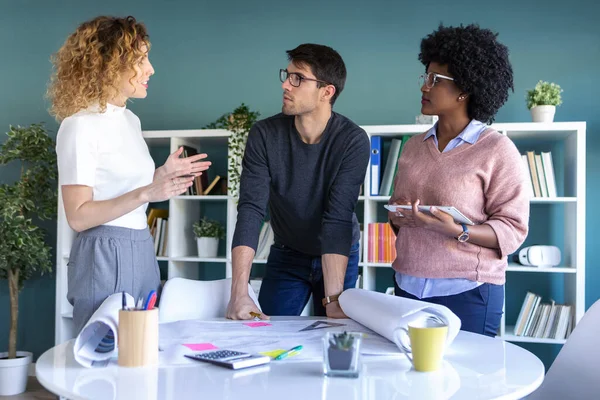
{"points": [[311, 189]]}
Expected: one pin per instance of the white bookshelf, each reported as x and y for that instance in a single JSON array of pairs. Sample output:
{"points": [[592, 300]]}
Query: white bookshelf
{"points": [[571, 199], [182, 257]]}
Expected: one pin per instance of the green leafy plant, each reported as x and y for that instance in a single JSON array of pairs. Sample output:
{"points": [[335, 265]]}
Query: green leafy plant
{"points": [[342, 341], [23, 250], [208, 228], [544, 94], [238, 123]]}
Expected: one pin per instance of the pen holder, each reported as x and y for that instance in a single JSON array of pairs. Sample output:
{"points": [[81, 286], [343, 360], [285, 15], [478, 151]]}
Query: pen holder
{"points": [[138, 338]]}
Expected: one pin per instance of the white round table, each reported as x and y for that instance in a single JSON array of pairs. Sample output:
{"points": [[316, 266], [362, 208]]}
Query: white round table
{"points": [[475, 367]]}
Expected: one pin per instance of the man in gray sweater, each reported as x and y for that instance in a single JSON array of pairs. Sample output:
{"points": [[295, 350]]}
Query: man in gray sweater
{"points": [[307, 164]]}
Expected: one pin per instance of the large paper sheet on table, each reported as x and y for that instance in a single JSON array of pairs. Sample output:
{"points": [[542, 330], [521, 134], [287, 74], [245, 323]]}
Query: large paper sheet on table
{"points": [[384, 313], [184, 336]]}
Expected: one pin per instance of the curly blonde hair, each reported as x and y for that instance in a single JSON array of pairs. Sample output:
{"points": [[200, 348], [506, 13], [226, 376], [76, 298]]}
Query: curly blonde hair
{"points": [[90, 63]]}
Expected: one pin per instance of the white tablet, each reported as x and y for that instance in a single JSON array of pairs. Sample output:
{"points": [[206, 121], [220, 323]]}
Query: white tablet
{"points": [[457, 215]]}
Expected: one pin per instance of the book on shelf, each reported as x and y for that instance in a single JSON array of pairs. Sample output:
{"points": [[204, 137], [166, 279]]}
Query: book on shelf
{"points": [[388, 172], [159, 227], [201, 183], [549, 173], [528, 174], [540, 170], [154, 213], [543, 320], [391, 165], [188, 152]]}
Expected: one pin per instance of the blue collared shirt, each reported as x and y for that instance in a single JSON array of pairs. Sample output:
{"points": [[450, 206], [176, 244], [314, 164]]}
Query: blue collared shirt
{"points": [[426, 287]]}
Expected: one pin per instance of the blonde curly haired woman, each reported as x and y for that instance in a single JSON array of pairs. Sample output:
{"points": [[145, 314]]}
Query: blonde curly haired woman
{"points": [[106, 174]]}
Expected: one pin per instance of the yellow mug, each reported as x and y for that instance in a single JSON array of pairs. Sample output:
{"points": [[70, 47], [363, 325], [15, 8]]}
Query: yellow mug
{"points": [[427, 343]]}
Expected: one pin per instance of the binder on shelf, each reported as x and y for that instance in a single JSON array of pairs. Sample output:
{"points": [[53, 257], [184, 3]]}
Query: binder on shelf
{"points": [[375, 165]]}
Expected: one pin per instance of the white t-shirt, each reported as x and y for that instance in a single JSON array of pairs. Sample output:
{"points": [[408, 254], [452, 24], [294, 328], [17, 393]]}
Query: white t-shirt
{"points": [[106, 151]]}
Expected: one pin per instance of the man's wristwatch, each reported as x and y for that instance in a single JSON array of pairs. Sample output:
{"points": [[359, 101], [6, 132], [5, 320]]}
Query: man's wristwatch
{"points": [[330, 299], [464, 236]]}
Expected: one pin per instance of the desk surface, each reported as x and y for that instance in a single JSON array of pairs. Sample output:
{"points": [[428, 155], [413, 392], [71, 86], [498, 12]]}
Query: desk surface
{"points": [[475, 366]]}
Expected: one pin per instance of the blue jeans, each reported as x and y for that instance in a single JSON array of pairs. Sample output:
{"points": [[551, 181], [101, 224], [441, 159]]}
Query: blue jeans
{"points": [[291, 277], [479, 309]]}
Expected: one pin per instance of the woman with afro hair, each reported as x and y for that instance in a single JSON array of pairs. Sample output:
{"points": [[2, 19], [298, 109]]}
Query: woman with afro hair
{"points": [[464, 163], [106, 174]]}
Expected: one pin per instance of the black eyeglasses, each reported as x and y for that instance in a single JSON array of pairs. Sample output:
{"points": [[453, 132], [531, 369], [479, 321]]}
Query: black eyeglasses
{"points": [[296, 79]]}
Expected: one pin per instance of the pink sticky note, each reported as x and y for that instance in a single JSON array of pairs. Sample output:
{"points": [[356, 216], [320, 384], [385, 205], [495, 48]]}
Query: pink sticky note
{"points": [[257, 324], [200, 346]]}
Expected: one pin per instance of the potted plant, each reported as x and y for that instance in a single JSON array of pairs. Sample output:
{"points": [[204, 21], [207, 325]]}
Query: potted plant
{"points": [[23, 250], [341, 354], [542, 101], [238, 123], [208, 232]]}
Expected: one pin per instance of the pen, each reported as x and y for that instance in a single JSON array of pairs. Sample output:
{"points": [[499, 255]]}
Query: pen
{"points": [[288, 353], [150, 301], [255, 314]]}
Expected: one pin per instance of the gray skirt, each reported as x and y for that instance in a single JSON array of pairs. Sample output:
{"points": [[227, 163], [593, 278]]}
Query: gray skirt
{"points": [[106, 260]]}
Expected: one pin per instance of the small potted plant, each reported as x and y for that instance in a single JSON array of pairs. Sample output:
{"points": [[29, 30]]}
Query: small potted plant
{"points": [[341, 353], [542, 101], [208, 232], [23, 250]]}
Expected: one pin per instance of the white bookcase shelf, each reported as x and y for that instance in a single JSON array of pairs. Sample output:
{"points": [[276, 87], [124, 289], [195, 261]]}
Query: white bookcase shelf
{"points": [[182, 257]]}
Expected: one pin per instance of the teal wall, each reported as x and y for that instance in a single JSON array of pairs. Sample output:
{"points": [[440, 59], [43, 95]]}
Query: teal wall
{"points": [[211, 56]]}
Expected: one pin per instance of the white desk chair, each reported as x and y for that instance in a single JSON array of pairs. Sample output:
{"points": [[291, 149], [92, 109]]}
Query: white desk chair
{"points": [[574, 373], [191, 299]]}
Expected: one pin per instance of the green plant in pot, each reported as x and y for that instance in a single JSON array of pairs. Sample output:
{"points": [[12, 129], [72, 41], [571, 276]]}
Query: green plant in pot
{"points": [[542, 101], [208, 232], [238, 123], [342, 354], [23, 250]]}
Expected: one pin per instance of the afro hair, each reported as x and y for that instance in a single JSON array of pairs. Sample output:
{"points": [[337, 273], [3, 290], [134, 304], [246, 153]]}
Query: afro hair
{"points": [[478, 63]]}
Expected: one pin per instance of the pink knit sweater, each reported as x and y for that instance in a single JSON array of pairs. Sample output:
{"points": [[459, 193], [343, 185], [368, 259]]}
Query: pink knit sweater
{"points": [[486, 182]]}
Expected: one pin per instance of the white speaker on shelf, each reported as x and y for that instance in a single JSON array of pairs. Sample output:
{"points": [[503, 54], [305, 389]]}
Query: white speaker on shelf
{"points": [[540, 256]]}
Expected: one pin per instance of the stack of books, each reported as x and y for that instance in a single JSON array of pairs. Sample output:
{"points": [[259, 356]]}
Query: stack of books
{"points": [[159, 229], [540, 169], [382, 243], [541, 320]]}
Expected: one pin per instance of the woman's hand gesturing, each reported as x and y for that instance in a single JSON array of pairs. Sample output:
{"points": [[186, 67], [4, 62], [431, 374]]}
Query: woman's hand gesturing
{"points": [[168, 186], [192, 164]]}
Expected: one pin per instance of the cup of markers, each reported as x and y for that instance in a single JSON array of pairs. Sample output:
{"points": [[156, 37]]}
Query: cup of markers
{"points": [[138, 333]]}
